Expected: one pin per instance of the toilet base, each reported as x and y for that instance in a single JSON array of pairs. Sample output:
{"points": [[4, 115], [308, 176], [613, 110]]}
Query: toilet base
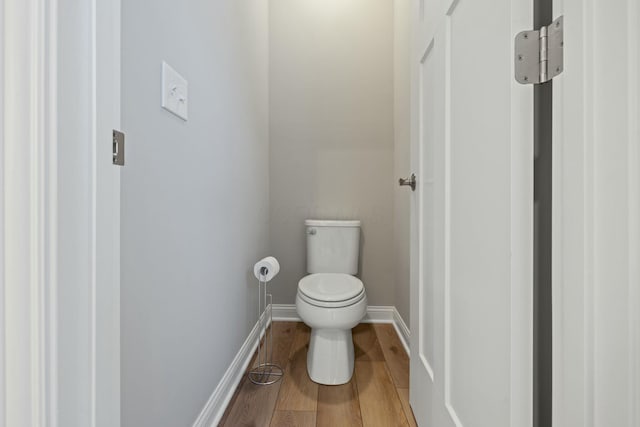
{"points": [[330, 357]]}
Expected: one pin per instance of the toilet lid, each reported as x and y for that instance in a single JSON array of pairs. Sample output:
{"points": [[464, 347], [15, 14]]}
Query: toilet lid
{"points": [[330, 287]]}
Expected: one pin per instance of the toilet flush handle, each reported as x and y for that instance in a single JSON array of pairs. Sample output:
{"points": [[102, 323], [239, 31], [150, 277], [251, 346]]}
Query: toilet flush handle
{"points": [[312, 231]]}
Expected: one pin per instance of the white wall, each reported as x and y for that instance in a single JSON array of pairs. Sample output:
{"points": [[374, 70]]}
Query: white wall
{"points": [[331, 132], [3, 394], [401, 153], [194, 200]]}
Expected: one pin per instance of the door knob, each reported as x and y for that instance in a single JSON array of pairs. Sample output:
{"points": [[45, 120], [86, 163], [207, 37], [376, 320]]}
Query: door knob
{"points": [[411, 181]]}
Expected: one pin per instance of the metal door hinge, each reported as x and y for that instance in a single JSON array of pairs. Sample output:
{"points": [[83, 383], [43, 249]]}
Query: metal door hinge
{"points": [[538, 54], [118, 148]]}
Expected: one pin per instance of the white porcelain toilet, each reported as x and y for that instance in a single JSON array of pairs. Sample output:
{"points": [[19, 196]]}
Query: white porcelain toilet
{"points": [[331, 300]]}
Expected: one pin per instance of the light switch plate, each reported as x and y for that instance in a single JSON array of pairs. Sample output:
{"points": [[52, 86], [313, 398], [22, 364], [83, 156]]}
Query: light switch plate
{"points": [[175, 91]]}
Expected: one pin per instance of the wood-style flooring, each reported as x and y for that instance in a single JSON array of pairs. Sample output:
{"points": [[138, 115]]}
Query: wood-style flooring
{"points": [[378, 394]]}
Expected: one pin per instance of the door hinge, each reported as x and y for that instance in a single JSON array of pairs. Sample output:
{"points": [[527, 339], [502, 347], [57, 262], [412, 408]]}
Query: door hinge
{"points": [[538, 54], [118, 148]]}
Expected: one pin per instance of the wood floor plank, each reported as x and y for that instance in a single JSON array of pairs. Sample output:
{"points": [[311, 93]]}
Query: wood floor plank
{"points": [[283, 336], [404, 399], [379, 401], [250, 398], [253, 406], [394, 354], [298, 392], [338, 406], [366, 344], [293, 419]]}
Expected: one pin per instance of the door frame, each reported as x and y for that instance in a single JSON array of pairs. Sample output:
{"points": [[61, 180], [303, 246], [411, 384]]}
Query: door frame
{"points": [[580, 219], [55, 210], [29, 213]]}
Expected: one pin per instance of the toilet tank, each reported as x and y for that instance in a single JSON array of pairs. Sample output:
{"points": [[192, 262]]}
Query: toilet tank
{"points": [[332, 246]]}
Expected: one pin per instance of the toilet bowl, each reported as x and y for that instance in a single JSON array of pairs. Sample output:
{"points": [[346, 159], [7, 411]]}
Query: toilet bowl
{"points": [[331, 304]]}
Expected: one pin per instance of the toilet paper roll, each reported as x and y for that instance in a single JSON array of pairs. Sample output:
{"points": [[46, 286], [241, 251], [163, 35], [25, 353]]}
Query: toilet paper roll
{"points": [[271, 268]]}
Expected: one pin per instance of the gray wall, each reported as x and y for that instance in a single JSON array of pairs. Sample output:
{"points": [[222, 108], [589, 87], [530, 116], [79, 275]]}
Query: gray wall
{"points": [[401, 154], [331, 133], [194, 200]]}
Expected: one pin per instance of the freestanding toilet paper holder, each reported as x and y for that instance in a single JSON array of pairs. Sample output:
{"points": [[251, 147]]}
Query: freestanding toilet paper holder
{"points": [[265, 372]]}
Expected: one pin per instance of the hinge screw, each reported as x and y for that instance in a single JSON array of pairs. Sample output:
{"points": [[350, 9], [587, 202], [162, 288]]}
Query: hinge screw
{"points": [[520, 57]]}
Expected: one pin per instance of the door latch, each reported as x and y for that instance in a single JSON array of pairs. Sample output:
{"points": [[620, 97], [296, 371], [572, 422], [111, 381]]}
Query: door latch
{"points": [[118, 148], [411, 181]]}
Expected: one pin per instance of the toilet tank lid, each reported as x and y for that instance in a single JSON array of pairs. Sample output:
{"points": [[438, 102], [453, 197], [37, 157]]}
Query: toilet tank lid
{"points": [[331, 223]]}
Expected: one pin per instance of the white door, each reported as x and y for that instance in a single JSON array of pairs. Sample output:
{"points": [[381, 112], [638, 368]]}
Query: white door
{"points": [[472, 216], [596, 216]]}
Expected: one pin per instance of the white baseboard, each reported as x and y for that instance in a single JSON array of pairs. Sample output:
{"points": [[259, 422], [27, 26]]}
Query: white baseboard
{"points": [[379, 314], [402, 330], [285, 313], [221, 396]]}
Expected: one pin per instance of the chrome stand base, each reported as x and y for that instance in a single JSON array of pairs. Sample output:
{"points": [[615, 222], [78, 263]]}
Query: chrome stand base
{"points": [[265, 374]]}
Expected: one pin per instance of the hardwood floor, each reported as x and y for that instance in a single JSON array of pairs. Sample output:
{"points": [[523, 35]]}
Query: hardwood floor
{"points": [[378, 394]]}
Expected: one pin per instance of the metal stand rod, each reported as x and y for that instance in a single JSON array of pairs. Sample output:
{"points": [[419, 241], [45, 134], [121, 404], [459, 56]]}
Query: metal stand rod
{"points": [[265, 372]]}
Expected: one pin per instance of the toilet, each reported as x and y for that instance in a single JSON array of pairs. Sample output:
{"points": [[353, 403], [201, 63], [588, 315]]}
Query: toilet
{"points": [[330, 299]]}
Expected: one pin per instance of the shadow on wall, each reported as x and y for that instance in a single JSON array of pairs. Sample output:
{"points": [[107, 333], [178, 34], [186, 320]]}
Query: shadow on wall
{"points": [[252, 299], [360, 257]]}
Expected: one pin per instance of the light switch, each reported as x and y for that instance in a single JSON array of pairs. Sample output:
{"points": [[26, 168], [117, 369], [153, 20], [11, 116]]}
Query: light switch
{"points": [[174, 92]]}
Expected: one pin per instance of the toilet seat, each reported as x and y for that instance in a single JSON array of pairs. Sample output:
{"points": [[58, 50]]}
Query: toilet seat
{"points": [[331, 290], [333, 304]]}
